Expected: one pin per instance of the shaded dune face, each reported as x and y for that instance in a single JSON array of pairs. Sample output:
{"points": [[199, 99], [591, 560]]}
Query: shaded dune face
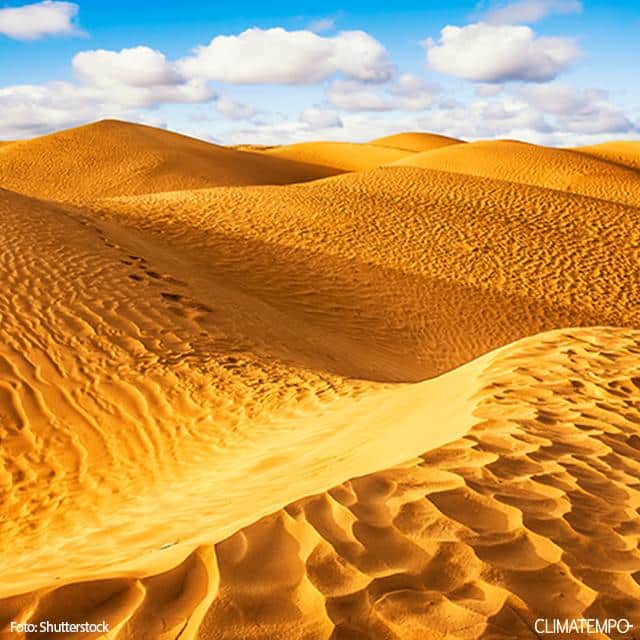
{"points": [[408, 273], [349, 408]]}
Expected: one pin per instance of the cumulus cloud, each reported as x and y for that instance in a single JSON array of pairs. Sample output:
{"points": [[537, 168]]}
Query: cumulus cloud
{"points": [[584, 111], [138, 76], [29, 110], [408, 93], [498, 53], [277, 56], [33, 21], [137, 67], [110, 84], [528, 11]]}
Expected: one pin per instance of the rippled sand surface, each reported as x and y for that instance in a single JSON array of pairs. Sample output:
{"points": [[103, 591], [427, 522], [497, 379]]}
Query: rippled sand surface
{"points": [[317, 391]]}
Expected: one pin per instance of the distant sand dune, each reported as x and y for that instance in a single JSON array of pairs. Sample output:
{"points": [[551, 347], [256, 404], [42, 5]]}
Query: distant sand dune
{"points": [[349, 408], [523, 163], [339, 156], [416, 141], [118, 158], [624, 153]]}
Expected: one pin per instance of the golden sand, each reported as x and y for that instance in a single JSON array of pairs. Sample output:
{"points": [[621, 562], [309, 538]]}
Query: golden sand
{"points": [[118, 158], [398, 403], [521, 163], [339, 156], [415, 141]]}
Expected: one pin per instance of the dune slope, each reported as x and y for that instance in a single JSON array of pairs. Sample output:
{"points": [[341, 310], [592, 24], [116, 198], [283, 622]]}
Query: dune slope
{"points": [[407, 272], [118, 158], [624, 153], [561, 169], [416, 141], [340, 156], [533, 513]]}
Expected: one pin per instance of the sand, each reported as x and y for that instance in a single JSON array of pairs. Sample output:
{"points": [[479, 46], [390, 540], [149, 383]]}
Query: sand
{"points": [[117, 158], [340, 156], [623, 153], [562, 169], [416, 141], [400, 402]]}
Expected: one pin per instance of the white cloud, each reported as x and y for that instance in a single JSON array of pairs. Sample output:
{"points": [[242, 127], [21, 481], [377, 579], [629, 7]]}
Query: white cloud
{"points": [[136, 67], [33, 21], [277, 56], [498, 53], [408, 93], [111, 84], [138, 76], [528, 11], [234, 110], [584, 111], [29, 110], [318, 118]]}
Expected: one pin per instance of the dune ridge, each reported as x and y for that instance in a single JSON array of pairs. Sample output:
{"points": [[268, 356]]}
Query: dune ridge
{"points": [[340, 156], [118, 158], [415, 141], [562, 169], [624, 153], [349, 408]]}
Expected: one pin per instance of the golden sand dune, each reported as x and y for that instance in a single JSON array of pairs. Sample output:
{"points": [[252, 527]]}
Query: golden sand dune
{"points": [[339, 156], [530, 164], [624, 153], [533, 513], [415, 141], [343, 409], [430, 268], [117, 158]]}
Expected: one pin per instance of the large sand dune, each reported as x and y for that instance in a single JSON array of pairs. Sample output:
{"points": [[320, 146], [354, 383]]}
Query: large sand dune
{"points": [[398, 403], [117, 158], [522, 163], [624, 153]]}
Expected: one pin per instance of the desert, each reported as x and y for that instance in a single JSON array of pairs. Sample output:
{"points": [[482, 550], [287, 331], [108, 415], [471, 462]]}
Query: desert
{"points": [[322, 390]]}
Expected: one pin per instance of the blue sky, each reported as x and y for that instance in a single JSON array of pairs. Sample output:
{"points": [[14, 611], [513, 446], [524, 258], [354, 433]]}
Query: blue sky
{"points": [[556, 72]]}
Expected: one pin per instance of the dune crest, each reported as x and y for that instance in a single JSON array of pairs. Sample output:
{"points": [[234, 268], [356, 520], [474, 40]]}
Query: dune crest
{"points": [[416, 141], [624, 153], [522, 163], [339, 156], [110, 158]]}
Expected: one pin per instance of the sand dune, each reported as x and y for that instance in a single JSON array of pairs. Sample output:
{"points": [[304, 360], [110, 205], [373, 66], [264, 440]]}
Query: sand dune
{"points": [[415, 141], [430, 268], [339, 156], [349, 408], [561, 169], [117, 158], [533, 513], [624, 153]]}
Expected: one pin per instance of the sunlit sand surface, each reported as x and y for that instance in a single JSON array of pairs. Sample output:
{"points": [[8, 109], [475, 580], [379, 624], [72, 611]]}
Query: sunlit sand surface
{"points": [[327, 390]]}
